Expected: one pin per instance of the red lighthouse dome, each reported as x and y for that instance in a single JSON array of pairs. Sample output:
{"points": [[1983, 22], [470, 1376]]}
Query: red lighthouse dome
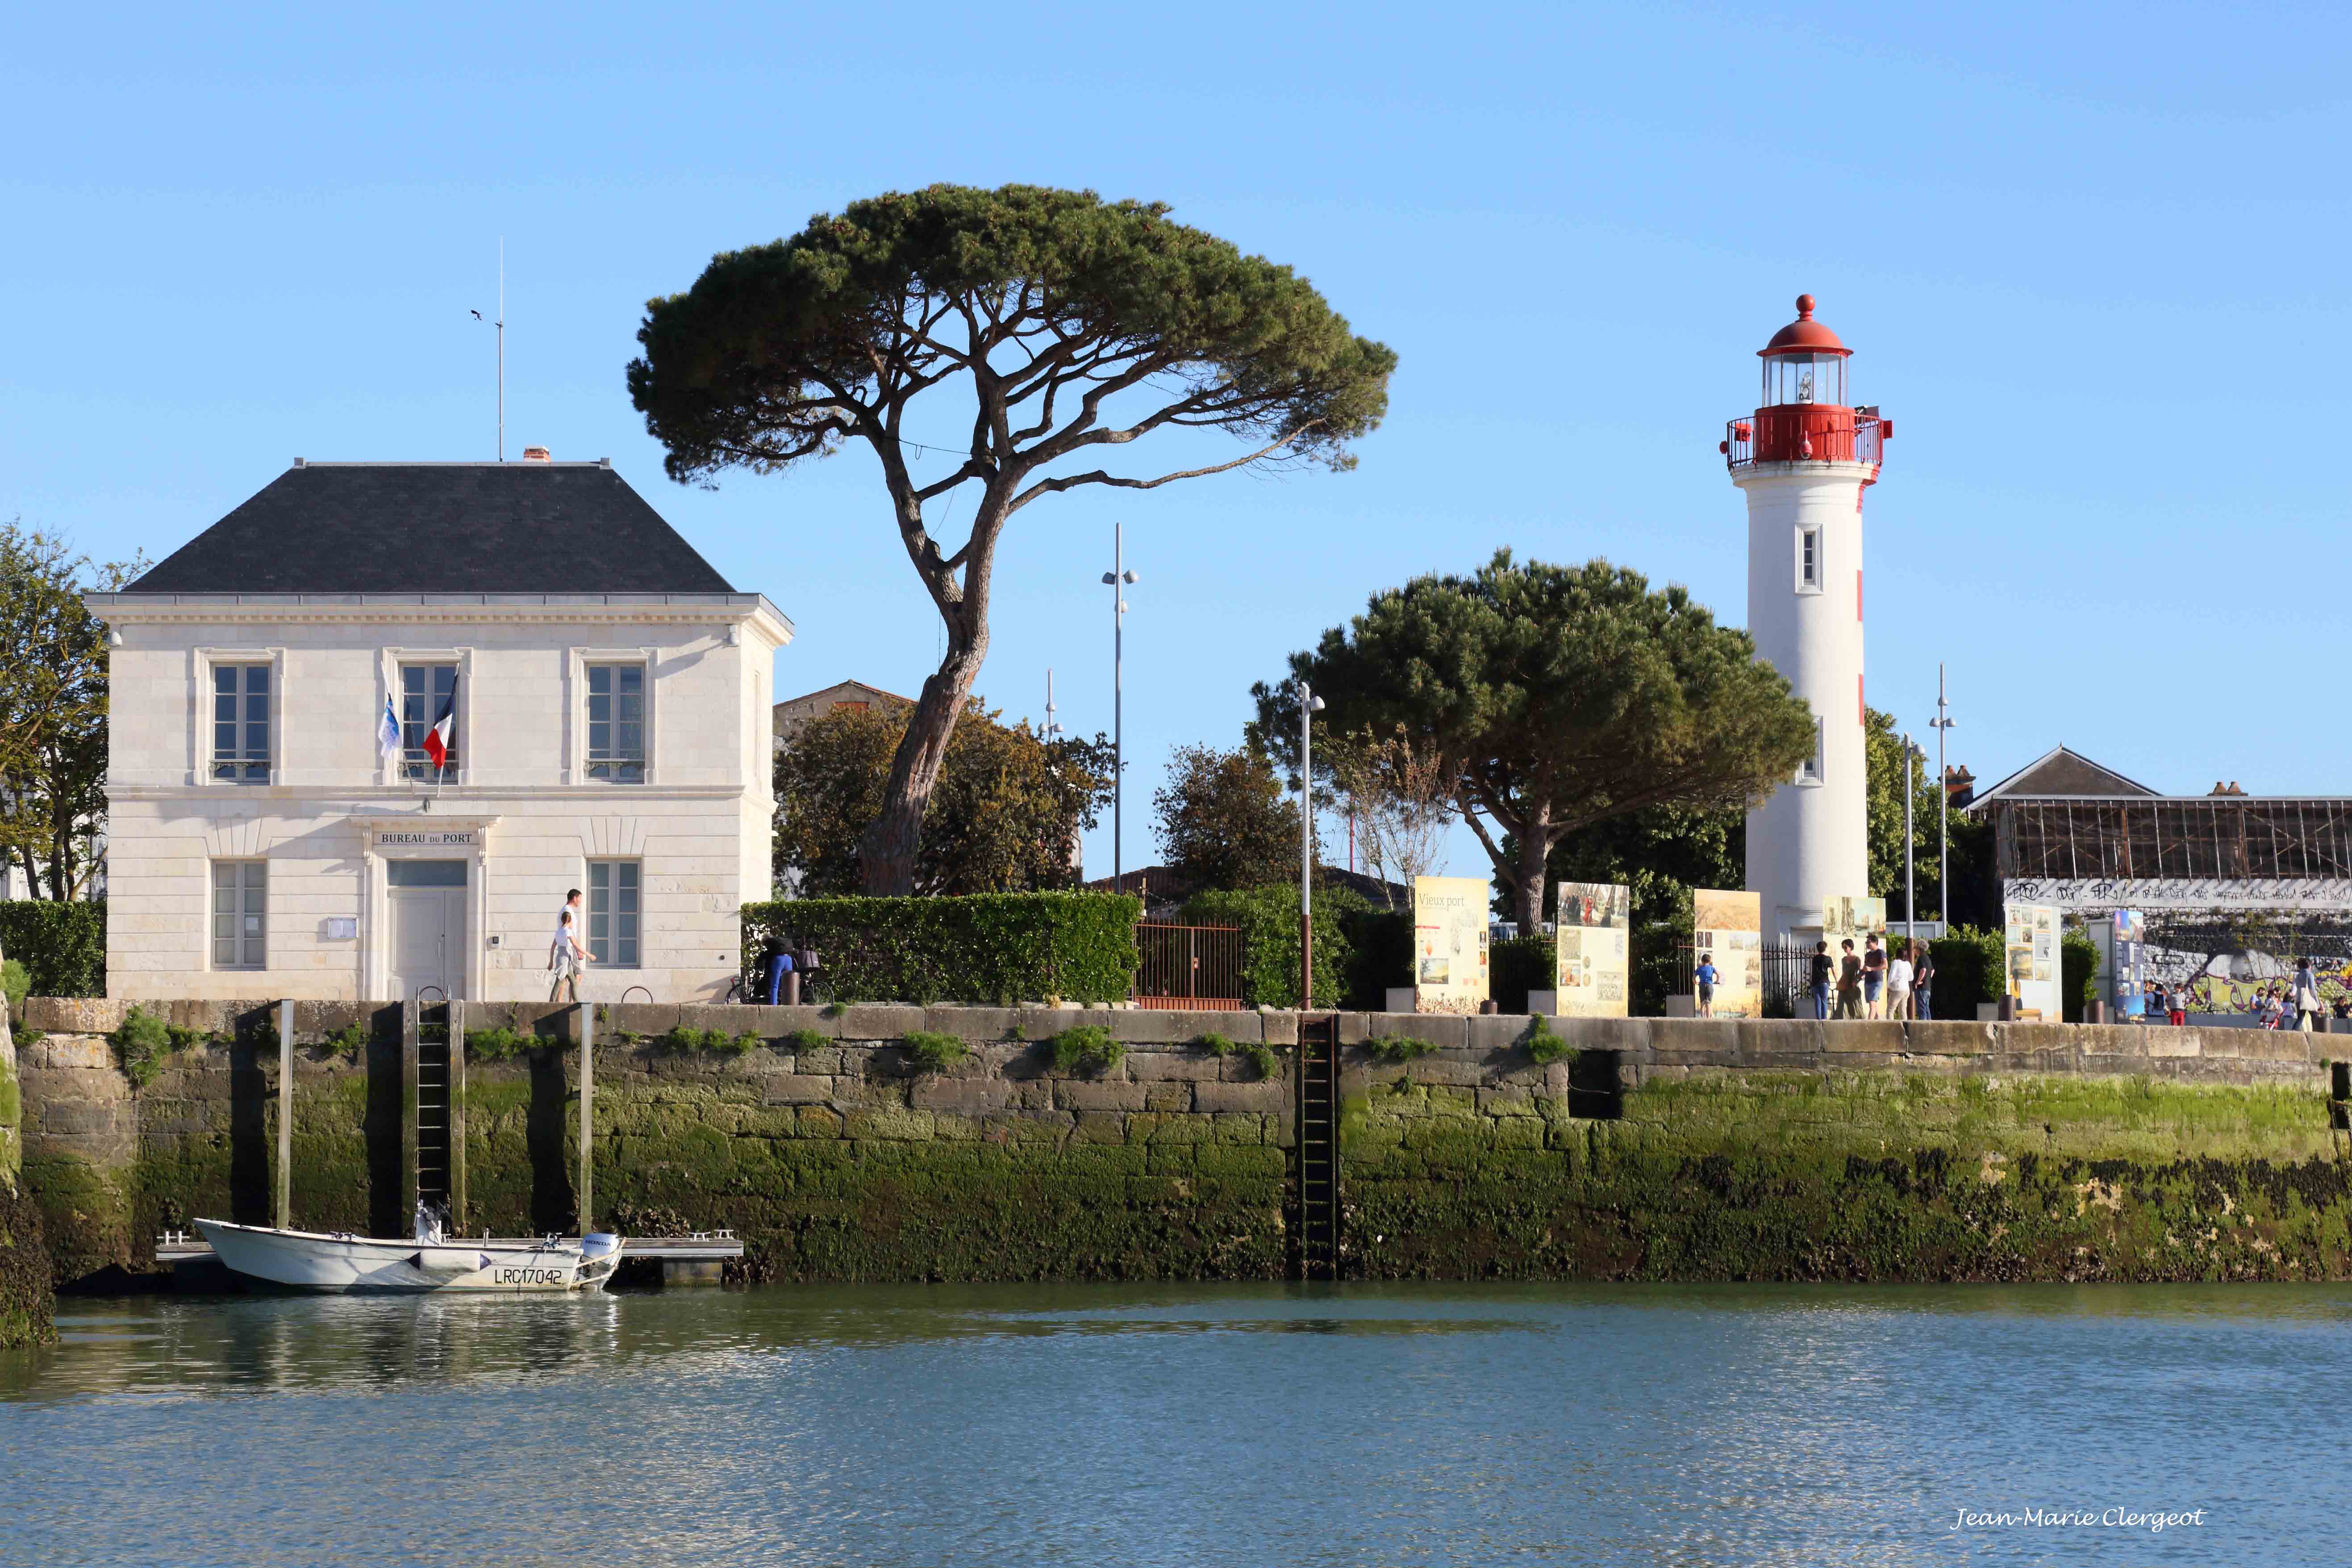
{"points": [[1804, 414]]}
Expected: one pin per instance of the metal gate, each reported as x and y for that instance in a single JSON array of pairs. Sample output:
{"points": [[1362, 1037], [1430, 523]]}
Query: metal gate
{"points": [[1187, 967]]}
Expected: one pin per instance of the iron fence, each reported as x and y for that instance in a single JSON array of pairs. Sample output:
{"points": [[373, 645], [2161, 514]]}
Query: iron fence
{"points": [[1786, 991], [1189, 967]]}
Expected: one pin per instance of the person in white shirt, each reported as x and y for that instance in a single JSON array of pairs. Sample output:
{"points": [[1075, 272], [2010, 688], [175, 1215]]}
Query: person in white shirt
{"points": [[566, 955], [1898, 983]]}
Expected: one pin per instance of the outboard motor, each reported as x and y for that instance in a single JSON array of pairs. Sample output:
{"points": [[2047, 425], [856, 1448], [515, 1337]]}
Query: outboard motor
{"points": [[428, 1223], [599, 1244]]}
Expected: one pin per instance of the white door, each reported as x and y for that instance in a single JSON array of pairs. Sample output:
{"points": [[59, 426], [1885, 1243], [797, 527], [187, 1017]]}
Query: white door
{"points": [[429, 941]]}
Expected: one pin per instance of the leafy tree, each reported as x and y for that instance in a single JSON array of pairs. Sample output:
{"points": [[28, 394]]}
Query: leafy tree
{"points": [[1558, 697], [1009, 808], [1054, 325], [1225, 821], [53, 697]]}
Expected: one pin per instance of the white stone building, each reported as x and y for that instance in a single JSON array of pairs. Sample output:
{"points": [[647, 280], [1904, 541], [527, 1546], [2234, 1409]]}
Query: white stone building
{"points": [[609, 695]]}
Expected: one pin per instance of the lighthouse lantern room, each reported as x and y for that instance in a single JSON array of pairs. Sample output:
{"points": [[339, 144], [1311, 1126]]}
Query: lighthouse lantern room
{"points": [[1803, 459]]}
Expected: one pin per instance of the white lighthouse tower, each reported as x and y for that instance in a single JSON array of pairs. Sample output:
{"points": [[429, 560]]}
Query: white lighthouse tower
{"points": [[1804, 458]]}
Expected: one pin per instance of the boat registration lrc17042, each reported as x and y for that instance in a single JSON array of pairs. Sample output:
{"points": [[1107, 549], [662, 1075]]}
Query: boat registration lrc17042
{"points": [[530, 1276]]}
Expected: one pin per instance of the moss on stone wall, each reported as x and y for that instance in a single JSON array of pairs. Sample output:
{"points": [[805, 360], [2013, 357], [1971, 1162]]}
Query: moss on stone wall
{"points": [[842, 1161], [26, 1299], [1861, 1177]]}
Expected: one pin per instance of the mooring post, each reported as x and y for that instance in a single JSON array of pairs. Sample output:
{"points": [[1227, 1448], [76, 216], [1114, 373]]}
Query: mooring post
{"points": [[587, 1114], [286, 1114], [456, 1078]]}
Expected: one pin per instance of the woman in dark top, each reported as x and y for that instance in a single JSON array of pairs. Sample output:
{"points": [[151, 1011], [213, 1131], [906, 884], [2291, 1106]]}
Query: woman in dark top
{"points": [[1822, 969], [1923, 981]]}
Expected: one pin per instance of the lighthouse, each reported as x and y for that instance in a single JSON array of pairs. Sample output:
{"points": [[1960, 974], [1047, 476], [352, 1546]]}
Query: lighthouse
{"points": [[1804, 459]]}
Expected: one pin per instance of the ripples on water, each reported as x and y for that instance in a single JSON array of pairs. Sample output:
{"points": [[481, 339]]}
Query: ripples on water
{"points": [[1111, 1424]]}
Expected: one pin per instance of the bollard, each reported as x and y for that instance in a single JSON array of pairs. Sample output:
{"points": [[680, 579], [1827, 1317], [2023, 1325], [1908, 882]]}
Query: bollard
{"points": [[2008, 1014], [2094, 1012]]}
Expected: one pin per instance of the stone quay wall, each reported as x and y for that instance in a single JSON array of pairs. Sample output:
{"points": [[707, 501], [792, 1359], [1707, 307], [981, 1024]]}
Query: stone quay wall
{"points": [[25, 1295], [1658, 1148]]}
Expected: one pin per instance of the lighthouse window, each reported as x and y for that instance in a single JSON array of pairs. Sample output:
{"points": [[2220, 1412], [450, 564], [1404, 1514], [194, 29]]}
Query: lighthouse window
{"points": [[1809, 561], [1809, 772], [1806, 378]]}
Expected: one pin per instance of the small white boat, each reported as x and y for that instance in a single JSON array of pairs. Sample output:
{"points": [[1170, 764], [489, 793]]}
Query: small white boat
{"points": [[313, 1261]]}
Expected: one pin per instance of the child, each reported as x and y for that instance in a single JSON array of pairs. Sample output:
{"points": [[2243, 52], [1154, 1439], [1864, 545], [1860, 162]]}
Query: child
{"points": [[1705, 976]]}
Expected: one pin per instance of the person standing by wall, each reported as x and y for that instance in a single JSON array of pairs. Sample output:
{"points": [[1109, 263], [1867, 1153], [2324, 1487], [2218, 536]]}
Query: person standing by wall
{"points": [[1874, 977], [1898, 984], [1824, 969], [1923, 982], [1704, 976], [2306, 996], [1849, 981]]}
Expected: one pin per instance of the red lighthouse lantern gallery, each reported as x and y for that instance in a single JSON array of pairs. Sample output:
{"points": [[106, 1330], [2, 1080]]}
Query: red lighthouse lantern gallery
{"points": [[1803, 416]]}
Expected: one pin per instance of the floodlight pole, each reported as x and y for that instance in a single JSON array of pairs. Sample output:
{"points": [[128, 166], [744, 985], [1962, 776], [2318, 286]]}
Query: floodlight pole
{"points": [[1940, 724], [1308, 706], [1118, 578], [1910, 894]]}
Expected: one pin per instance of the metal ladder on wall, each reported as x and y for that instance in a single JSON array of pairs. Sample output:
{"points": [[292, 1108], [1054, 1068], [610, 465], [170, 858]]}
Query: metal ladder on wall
{"points": [[1314, 1152], [433, 1104]]}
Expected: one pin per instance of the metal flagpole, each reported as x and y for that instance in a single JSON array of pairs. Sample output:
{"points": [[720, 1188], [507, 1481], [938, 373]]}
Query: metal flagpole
{"points": [[502, 348], [1308, 706], [1118, 577]]}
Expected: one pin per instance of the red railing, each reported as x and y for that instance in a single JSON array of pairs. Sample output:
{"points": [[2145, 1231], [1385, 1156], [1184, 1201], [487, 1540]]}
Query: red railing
{"points": [[1187, 967], [1806, 433]]}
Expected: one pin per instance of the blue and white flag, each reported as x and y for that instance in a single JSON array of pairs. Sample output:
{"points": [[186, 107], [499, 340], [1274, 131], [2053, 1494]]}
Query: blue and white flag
{"points": [[387, 732]]}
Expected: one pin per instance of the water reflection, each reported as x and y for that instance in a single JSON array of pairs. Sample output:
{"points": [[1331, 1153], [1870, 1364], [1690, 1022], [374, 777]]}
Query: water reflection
{"points": [[1175, 1424]]}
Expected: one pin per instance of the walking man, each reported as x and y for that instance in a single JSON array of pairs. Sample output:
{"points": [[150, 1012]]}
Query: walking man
{"points": [[566, 955], [1823, 968]]}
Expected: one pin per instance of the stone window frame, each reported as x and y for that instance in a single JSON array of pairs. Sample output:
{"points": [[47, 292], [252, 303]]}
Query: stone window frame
{"points": [[576, 712], [212, 894], [588, 910], [202, 662], [389, 772], [1819, 535]]}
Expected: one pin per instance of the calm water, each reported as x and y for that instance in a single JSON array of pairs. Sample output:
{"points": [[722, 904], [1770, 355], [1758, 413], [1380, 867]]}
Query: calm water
{"points": [[1202, 1425]]}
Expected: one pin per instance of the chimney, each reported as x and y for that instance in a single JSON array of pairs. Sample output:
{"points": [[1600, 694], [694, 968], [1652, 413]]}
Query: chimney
{"points": [[536, 454]]}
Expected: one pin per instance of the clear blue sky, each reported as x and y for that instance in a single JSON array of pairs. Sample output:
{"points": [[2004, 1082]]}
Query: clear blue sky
{"points": [[2092, 264]]}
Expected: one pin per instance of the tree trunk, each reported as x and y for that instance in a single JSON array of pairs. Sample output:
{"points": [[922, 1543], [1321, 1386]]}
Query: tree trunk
{"points": [[1535, 850], [887, 856]]}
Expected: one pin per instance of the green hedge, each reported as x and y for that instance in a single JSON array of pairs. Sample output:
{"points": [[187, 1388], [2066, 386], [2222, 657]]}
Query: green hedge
{"points": [[1380, 951], [1268, 919], [996, 948], [1968, 970], [1516, 967], [2078, 975], [61, 945]]}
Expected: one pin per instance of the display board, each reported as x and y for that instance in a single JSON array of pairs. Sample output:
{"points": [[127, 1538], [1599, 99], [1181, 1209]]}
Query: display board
{"points": [[1449, 943], [2030, 937], [1730, 927], [1595, 964], [1859, 919]]}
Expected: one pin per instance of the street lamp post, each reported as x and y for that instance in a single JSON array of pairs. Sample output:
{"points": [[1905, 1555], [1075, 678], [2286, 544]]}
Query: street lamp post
{"points": [[1910, 894], [1941, 722], [1308, 706], [1118, 578]]}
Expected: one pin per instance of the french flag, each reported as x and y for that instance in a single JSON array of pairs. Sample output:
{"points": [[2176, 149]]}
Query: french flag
{"points": [[438, 739]]}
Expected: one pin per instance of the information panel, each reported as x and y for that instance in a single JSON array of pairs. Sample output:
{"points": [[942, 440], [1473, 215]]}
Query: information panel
{"points": [[1594, 961], [2029, 933], [1449, 943], [1729, 928]]}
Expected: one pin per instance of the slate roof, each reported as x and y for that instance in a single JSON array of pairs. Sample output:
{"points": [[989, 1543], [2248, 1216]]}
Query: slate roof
{"points": [[2060, 773], [438, 528]]}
